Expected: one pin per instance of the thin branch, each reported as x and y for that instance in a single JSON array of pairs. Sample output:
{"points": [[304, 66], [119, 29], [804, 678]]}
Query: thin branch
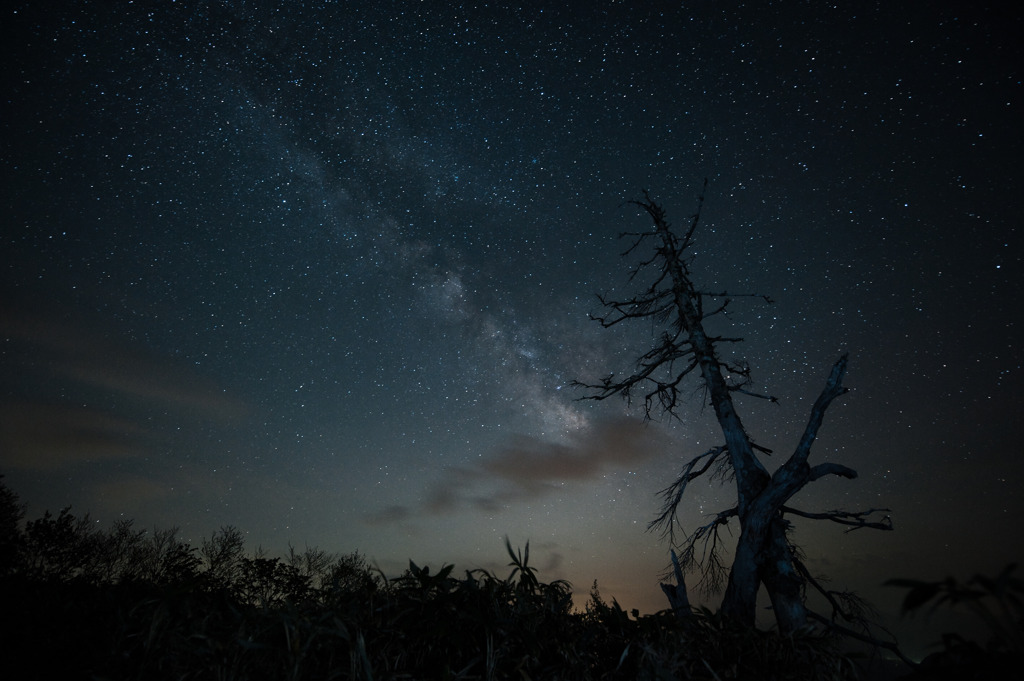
{"points": [[855, 519], [853, 633], [830, 468], [854, 610], [727, 295], [833, 389], [709, 563], [688, 239], [770, 398], [673, 494]]}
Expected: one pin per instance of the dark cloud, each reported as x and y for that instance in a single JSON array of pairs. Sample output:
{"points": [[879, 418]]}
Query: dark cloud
{"points": [[389, 514], [554, 563]]}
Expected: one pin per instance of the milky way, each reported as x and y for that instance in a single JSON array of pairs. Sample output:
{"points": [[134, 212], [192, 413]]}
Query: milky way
{"points": [[323, 270]]}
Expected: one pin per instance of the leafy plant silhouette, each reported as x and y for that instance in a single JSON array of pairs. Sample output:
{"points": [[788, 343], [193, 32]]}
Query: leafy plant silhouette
{"points": [[998, 602]]}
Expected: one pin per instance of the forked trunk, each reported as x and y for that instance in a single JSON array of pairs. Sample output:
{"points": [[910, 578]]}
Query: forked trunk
{"points": [[763, 556]]}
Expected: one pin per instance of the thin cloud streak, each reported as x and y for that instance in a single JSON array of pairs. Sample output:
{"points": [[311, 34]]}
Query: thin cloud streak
{"points": [[51, 436]]}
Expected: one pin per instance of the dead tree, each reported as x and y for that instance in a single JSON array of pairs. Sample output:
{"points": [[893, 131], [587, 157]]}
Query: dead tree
{"points": [[763, 555]]}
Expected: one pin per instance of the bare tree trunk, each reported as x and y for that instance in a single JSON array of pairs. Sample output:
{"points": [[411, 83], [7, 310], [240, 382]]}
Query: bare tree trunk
{"points": [[676, 593], [781, 579], [764, 556], [740, 600]]}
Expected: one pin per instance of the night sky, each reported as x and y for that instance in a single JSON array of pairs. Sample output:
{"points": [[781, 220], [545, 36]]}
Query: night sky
{"points": [[322, 271]]}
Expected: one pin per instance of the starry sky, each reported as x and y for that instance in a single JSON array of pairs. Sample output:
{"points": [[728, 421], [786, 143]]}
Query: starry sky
{"points": [[322, 271]]}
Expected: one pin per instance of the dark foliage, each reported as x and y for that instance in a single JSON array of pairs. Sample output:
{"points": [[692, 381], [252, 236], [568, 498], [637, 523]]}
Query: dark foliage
{"points": [[80, 602]]}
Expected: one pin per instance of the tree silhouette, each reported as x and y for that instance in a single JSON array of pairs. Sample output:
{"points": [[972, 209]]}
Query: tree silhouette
{"points": [[763, 554], [11, 513]]}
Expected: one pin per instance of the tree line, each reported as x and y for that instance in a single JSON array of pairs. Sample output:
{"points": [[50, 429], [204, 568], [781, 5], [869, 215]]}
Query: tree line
{"points": [[80, 601]]}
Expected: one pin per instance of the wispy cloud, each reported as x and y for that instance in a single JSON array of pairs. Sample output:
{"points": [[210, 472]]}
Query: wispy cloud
{"points": [[74, 352], [106, 398], [530, 467]]}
